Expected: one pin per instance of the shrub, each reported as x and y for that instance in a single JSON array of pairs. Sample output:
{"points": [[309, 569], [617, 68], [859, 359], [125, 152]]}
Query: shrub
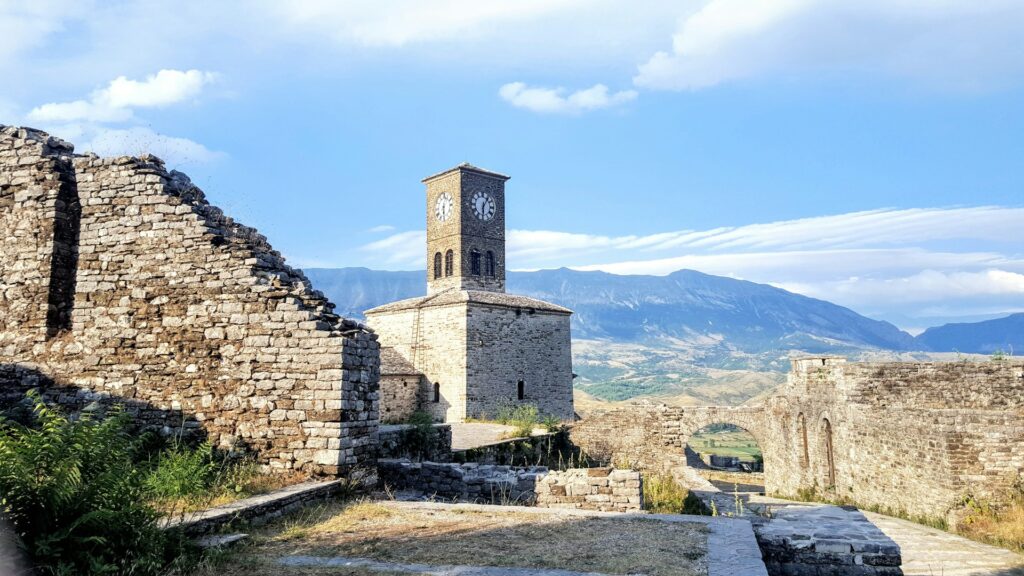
{"points": [[181, 473], [663, 495], [551, 423], [76, 501], [524, 418]]}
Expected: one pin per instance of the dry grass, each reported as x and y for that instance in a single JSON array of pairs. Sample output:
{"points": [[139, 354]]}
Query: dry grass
{"points": [[402, 535], [1002, 526], [227, 492]]}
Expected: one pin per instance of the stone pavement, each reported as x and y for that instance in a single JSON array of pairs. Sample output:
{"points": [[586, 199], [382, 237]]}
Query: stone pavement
{"points": [[932, 552], [466, 435]]}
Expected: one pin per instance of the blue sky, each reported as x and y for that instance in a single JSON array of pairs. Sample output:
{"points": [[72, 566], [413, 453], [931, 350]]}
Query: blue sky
{"points": [[867, 152]]}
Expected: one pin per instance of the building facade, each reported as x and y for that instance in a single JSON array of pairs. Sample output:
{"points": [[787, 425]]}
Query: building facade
{"points": [[477, 349]]}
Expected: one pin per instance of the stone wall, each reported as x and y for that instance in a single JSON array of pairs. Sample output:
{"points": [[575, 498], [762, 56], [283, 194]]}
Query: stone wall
{"points": [[911, 439], [591, 489], [476, 347], [401, 396], [587, 489], [511, 345], [119, 281], [405, 441], [442, 357]]}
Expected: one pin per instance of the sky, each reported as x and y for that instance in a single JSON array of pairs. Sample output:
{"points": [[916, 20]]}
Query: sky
{"points": [[864, 152]]}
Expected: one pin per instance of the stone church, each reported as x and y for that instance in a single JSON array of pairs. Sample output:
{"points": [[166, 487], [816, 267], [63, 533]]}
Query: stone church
{"points": [[467, 348]]}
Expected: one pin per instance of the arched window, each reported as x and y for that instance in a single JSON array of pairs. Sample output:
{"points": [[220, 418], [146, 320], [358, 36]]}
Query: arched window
{"points": [[830, 471], [449, 263], [474, 263], [802, 430], [490, 264], [437, 265], [437, 392], [521, 390]]}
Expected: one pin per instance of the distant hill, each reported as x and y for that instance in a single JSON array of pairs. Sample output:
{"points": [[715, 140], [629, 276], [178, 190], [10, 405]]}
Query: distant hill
{"points": [[685, 338], [1002, 334], [684, 305]]}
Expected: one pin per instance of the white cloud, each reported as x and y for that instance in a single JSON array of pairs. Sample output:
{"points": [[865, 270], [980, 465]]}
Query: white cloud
{"points": [[382, 228], [402, 249], [400, 22], [116, 102], [140, 140], [924, 286], [965, 45], [555, 100]]}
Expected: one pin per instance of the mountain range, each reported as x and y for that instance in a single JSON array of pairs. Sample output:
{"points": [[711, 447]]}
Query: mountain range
{"points": [[706, 338]]}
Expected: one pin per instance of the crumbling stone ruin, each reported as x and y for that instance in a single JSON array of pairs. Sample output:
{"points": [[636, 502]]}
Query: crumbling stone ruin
{"points": [[119, 281], [907, 438]]}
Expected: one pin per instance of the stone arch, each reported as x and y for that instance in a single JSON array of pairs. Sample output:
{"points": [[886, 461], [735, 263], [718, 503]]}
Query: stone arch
{"points": [[805, 456], [828, 462]]}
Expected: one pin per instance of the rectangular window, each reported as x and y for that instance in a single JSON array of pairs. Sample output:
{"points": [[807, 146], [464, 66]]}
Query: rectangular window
{"points": [[521, 390]]}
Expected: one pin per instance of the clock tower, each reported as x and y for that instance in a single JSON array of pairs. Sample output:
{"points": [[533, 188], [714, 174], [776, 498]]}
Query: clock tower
{"points": [[465, 230]]}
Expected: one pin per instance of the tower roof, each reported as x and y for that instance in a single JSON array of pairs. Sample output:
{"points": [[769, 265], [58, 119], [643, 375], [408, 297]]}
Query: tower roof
{"points": [[467, 167]]}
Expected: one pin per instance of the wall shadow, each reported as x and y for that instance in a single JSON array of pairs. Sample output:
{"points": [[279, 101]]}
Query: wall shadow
{"points": [[16, 380]]}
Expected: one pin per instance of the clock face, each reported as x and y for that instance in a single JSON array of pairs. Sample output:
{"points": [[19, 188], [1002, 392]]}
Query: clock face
{"points": [[483, 205], [443, 207]]}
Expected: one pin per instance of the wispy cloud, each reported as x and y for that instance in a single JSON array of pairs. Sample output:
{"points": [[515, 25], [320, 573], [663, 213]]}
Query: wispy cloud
{"points": [[558, 101], [880, 262], [402, 249], [382, 228], [728, 40]]}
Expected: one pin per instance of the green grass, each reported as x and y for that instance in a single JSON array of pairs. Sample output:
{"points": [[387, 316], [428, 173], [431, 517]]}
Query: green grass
{"points": [[735, 442]]}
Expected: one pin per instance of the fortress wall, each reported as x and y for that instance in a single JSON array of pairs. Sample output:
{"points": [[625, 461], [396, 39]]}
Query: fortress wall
{"points": [[899, 440], [509, 345], [909, 437], [37, 197], [191, 318]]}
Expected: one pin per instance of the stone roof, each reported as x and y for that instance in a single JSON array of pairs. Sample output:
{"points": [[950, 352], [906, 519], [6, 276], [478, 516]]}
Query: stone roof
{"points": [[467, 167], [455, 296], [393, 363]]}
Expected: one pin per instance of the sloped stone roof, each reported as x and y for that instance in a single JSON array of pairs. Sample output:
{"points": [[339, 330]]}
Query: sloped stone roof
{"points": [[393, 363], [454, 296]]}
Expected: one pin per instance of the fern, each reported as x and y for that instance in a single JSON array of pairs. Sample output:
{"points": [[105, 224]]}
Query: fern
{"points": [[74, 496]]}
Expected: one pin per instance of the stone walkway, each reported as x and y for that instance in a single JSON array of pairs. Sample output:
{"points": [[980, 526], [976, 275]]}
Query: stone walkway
{"points": [[927, 551], [466, 435]]}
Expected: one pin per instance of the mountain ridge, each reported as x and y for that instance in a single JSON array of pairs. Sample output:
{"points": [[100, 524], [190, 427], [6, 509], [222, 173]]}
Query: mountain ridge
{"points": [[685, 305]]}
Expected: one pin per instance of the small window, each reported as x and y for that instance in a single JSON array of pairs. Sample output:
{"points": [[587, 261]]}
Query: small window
{"points": [[437, 392], [449, 263], [437, 265], [490, 264], [521, 390], [474, 263]]}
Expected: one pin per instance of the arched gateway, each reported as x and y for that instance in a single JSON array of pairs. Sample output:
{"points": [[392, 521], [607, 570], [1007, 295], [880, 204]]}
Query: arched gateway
{"points": [[911, 437]]}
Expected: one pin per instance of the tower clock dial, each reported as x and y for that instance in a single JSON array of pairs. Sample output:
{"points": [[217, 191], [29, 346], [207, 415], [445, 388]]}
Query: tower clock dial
{"points": [[443, 207], [483, 205]]}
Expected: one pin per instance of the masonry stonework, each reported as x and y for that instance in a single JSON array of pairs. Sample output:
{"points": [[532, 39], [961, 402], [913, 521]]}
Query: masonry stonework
{"points": [[119, 281], [909, 438], [477, 348]]}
